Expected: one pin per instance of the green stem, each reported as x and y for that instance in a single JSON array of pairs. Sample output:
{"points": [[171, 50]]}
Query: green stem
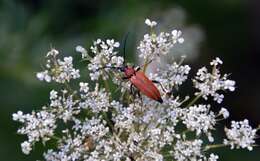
{"points": [[208, 147], [258, 128], [70, 90], [145, 64], [108, 121], [194, 100], [106, 85], [68, 87], [55, 137]]}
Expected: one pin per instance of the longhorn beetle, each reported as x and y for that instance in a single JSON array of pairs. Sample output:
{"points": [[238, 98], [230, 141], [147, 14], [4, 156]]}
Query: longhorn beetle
{"points": [[139, 80]]}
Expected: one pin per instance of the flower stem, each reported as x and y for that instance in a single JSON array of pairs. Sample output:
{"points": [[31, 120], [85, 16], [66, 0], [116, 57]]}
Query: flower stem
{"points": [[208, 147], [109, 123], [194, 100], [55, 137], [145, 65], [258, 127], [70, 90], [106, 85]]}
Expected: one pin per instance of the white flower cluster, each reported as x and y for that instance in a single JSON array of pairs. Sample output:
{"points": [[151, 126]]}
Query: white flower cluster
{"points": [[191, 151], [171, 76], [199, 118], [65, 107], [153, 45], [241, 135], [97, 100], [188, 150], [58, 70], [37, 126], [105, 56], [87, 123], [209, 84]]}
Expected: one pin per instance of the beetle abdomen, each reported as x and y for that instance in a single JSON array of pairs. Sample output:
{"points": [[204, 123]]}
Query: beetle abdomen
{"points": [[146, 86]]}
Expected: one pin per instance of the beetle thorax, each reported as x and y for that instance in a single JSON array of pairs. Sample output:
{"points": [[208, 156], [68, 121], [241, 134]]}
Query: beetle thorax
{"points": [[129, 71]]}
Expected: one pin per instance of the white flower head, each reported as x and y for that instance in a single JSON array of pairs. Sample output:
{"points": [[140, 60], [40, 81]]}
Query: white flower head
{"points": [[105, 57], [241, 135], [188, 150], [210, 84], [58, 70], [171, 76], [26, 147], [199, 118], [83, 51]]}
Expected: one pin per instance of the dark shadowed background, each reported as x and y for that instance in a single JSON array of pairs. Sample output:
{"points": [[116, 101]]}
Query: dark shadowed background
{"points": [[229, 29]]}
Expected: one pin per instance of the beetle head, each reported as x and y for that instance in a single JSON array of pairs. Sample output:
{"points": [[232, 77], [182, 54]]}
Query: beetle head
{"points": [[129, 71]]}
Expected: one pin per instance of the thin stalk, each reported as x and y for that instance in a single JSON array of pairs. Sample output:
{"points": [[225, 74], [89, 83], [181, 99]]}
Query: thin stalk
{"points": [[258, 128], [106, 85], [108, 121], [145, 65], [55, 137], [194, 100], [70, 90], [208, 147]]}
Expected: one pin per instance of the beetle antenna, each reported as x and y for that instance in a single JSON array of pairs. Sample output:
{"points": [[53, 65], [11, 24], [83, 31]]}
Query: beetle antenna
{"points": [[111, 67], [125, 40]]}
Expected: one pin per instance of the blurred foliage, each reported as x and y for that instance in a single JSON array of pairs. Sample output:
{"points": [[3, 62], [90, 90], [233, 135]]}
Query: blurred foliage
{"points": [[28, 28]]}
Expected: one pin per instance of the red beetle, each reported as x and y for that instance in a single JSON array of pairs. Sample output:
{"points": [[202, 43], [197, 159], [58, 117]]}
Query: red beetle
{"points": [[142, 83]]}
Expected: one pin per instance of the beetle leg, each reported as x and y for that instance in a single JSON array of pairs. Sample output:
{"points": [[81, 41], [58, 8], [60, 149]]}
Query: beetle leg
{"points": [[139, 95], [147, 63], [125, 78], [131, 89], [155, 81], [137, 68]]}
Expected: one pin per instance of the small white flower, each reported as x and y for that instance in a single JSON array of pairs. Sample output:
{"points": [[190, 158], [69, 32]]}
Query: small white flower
{"points": [[26, 147], [216, 62], [52, 53], [44, 76], [84, 87], [53, 94], [176, 37], [230, 85], [18, 116], [150, 23], [82, 50], [213, 157], [224, 112]]}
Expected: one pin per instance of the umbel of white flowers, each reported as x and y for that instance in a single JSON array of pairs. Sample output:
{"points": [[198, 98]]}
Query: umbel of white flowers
{"points": [[87, 123]]}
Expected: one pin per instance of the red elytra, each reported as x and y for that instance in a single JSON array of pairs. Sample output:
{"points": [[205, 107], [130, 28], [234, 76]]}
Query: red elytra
{"points": [[142, 83]]}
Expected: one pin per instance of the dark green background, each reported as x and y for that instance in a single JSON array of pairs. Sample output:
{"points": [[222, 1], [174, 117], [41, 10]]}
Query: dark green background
{"points": [[29, 28]]}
